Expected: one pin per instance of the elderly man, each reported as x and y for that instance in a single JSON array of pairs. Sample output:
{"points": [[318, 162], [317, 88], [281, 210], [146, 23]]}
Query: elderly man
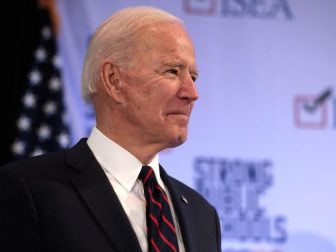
{"points": [[108, 192]]}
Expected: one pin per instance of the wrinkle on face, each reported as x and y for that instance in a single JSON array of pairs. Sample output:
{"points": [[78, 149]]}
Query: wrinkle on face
{"points": [[163, 68]]}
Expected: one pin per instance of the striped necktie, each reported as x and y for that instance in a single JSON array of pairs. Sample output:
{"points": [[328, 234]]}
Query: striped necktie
{"points": [[161, 232]]}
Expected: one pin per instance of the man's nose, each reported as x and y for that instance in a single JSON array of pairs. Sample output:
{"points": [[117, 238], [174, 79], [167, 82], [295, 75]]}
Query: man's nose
{"points": [[188, 89]]}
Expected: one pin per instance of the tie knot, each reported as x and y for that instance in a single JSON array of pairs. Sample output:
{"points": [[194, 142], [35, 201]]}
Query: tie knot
{"points": [[147, 174]]}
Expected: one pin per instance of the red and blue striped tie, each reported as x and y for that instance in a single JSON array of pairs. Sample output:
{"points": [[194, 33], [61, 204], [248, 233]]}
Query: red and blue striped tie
{"points": [[161, 232]]}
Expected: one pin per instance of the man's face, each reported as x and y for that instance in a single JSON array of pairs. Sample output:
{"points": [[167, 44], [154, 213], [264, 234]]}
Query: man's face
{"points": [[160, 88]]}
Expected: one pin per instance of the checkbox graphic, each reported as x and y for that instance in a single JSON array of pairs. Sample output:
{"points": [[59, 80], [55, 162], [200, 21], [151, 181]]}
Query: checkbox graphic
{"points": [[200, 7], [308, 114]]}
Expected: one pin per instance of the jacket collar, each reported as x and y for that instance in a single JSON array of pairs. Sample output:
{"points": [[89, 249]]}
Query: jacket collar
{"points": [[97, 193], [184, 211]]}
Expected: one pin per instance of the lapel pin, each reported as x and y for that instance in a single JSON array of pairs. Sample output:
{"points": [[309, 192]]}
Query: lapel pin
{"points": [[184, 199]]}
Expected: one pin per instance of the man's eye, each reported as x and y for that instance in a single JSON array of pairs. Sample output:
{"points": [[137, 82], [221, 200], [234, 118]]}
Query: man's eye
{"points": [[173, 71], [193, 76]]}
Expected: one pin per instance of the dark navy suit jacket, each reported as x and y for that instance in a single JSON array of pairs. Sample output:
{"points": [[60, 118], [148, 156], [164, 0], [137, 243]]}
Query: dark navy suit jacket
{"points": [[64, 202]]}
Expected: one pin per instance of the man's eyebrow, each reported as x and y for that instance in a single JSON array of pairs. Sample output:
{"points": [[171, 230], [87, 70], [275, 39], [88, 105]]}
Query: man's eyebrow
{"points": [[174, 64], [193, 69]]}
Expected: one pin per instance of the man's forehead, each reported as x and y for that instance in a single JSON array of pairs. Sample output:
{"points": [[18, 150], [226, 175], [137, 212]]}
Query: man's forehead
{"points": [[159, 26], [168, 46], [163, 31]]}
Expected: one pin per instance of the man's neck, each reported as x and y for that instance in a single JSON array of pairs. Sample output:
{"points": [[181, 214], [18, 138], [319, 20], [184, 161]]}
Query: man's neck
{"points": [[143, 152]]}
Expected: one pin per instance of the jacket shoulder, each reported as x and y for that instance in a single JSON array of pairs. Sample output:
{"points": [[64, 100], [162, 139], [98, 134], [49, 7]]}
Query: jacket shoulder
{"points": [[42, 165]]}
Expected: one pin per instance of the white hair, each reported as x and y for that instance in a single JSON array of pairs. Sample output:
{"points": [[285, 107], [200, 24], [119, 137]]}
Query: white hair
{"points": [[114, 38]]}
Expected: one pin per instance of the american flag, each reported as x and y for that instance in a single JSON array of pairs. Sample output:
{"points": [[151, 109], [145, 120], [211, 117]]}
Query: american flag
{"points": [[41, 127]]}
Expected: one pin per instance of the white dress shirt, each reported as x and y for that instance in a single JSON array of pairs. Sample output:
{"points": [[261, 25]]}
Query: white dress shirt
{"points": [[122, 170]]}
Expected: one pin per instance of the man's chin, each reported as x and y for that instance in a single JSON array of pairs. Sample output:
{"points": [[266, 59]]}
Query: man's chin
{"points": [[178, 140]]}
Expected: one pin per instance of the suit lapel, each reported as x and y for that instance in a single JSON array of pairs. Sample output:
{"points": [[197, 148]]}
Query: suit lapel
{"points": [[184, 212], [98, 194]]}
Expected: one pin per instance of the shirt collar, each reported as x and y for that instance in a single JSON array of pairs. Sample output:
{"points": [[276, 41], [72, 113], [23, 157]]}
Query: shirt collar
{"points": [[116, 160]]}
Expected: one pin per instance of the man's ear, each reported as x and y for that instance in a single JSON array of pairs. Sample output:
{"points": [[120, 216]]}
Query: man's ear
{"points": [[111, 81]]}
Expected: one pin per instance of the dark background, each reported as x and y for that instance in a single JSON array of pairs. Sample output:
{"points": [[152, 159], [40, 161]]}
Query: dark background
{"points": [[20, 38]]}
